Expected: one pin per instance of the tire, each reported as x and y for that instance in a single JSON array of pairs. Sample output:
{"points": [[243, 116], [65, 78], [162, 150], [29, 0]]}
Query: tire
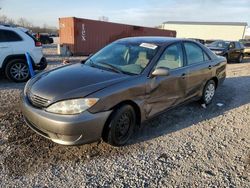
{"points": [[208, 92], [17, 70], [121, 126], [226, 56], [240, 58], [43, 64]]}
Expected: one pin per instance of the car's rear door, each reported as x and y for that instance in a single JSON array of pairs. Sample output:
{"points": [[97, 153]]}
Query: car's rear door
{"points": [[163, 92], [234, 52], [198, 69]]}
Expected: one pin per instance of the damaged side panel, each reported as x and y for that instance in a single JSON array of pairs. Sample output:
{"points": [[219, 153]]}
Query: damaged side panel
{"points": [[163, 92], [152, 95]]}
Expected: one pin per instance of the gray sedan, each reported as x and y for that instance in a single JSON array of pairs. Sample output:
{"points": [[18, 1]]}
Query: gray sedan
{"points": [[115, 90]]}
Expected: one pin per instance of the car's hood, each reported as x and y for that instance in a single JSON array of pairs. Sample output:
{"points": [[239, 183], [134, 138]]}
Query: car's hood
{"points": [[73, 81], [216, 48]]}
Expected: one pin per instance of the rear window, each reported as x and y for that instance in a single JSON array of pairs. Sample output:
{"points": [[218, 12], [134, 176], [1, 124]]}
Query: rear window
{"points": [[9, 36], [238, 45], [31, 36], [195, 54]]}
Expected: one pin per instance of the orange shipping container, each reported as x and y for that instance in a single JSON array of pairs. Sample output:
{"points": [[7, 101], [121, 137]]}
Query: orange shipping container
{"points": [[84, 36]]}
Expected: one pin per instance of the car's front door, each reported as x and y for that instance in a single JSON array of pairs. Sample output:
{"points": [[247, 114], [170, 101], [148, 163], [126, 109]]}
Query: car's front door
{"points": [[163, 92], [199, 69], [233, 52], [5, 48]]}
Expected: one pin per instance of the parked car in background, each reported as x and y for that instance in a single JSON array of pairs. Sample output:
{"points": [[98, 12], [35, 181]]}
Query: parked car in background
{"points": [[14, 43], [119, 87], [209, 41], [231, 50], [247, 49], [46, 39], [198, 40]]}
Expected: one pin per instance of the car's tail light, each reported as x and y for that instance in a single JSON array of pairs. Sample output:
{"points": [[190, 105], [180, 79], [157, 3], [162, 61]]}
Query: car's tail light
{"points": [[38, 44]]}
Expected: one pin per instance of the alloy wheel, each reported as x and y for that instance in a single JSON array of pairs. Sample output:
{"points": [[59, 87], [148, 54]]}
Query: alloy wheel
{"points": [[209, 93], [19, 71]]}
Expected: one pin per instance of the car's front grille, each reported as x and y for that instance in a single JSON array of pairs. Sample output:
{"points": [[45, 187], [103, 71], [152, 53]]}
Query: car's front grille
{"points": [[38, 101]]}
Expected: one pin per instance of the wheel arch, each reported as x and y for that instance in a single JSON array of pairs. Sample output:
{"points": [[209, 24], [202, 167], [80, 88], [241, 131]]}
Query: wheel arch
{"points": [[12, 57], [216, 80], [133, 104]]}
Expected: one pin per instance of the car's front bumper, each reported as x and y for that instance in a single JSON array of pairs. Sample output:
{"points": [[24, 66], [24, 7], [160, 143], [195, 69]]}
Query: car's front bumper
{"points": [[64, 129]]}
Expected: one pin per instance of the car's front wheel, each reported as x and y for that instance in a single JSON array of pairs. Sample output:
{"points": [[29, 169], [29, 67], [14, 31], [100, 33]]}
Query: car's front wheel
{"points": [[208, 92], [17, 70], [121, 126]]}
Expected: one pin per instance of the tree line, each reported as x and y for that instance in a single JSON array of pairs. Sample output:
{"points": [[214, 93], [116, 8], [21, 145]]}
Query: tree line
{"points": [[22, 22]]}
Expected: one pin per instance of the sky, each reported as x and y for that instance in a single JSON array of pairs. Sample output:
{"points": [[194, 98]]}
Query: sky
{"points": [[137, 12]]}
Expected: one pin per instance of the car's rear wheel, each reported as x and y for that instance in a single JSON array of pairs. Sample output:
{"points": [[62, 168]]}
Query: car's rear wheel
{"points": [[17, 70], [240, 58], [121, 126], [208, 92]]}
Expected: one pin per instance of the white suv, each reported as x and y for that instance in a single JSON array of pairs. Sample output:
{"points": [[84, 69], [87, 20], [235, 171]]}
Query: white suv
{"points": [[14, 43]]}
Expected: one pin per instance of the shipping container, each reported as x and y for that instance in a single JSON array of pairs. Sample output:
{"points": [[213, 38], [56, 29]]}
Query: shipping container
{"points": [[84, 36]]}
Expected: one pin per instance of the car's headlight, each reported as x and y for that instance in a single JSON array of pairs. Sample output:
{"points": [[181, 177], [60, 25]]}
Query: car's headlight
{"points": [[73, 106]]}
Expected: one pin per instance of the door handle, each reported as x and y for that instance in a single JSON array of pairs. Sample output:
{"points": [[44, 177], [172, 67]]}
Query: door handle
{"points": [[183, 75]]}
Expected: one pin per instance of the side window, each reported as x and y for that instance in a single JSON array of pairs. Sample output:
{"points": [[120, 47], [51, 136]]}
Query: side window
{"points": [[194, 53], [9, 36], [172, 57], [2, 38]]}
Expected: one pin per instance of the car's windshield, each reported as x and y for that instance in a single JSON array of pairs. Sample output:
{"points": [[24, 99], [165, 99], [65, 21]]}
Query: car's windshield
{"points": [[128, 58], [219, 44]]}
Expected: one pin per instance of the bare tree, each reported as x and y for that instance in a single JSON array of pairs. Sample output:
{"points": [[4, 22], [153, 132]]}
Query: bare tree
{"points": [[3, 19], [24, 23]]}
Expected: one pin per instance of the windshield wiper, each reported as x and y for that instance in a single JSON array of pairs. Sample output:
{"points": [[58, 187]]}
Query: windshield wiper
{"points": [[112, 67]]}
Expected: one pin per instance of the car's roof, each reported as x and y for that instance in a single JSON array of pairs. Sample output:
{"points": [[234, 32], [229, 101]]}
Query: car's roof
{"points": [[7, 27], [151, 39], [225, 41]]}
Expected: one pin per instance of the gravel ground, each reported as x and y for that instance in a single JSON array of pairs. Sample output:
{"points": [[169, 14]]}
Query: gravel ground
{"points": [[186, 147]]}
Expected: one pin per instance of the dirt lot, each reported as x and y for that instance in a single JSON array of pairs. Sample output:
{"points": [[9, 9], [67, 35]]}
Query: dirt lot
{"points": [[186, 147]]}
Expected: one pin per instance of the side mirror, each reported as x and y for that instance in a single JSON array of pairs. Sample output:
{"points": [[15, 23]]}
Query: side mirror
{"points": [[230, 47], [161, 71]]}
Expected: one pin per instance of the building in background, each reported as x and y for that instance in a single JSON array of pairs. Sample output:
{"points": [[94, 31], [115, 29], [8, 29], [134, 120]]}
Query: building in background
{"points": [[208, 30], [247, 35]]}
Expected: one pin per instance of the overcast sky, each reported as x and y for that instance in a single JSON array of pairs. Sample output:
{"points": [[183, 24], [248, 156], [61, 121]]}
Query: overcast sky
{"points": [[138, 12]]}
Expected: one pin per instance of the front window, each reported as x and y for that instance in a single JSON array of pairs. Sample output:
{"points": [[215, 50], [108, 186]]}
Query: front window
{"points": [[172, 57], [123, 57]]}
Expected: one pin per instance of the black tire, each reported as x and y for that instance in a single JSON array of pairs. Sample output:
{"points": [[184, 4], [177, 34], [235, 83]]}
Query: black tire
{"points": [[240, 58], [17, 70], [121, 126], [208, 92], [226, 56]]}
